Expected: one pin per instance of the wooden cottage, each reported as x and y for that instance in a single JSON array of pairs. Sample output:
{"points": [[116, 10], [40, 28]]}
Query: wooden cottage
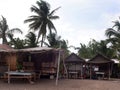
{"points": [[100, 66], [44, 59], [41, 60], [74, 66]]}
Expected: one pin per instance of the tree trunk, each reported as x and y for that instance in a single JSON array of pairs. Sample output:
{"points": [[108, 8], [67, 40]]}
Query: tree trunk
{"points": [[4, 41], [42, 41]]}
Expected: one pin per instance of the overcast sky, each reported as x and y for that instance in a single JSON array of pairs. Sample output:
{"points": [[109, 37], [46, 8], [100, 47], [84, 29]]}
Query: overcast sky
{"points": [[80, 20]]}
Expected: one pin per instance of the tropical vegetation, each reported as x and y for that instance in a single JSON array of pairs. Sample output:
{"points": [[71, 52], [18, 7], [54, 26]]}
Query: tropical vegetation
{"points": [[43, 32], [42, 19], [5, 31]]}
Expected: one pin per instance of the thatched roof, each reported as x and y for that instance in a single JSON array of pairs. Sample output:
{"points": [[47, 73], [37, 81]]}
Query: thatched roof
{"points": [[5, 47], [32, 50], [73, 58], [36, 49], [99, 59]]}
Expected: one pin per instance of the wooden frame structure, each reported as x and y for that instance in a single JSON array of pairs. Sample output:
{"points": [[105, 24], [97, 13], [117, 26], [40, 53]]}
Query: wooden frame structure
{"points": [[12, 56], [74, 66], [103, 62]]}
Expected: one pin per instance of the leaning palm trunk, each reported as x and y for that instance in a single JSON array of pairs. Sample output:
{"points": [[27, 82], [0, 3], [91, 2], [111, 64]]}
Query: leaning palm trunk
{"points": [[4, 41], [42, 41]]}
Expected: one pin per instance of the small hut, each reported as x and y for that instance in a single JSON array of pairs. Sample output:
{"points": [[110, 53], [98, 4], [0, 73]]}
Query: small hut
{"points": [[41, 60], [100, 66], [45, 59], [74, 66]]}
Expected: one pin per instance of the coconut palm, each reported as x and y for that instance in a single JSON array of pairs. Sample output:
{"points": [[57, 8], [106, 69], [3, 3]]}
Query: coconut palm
{"points": [[94, 47], [114, 36], [5, 31], [53, 40], [42, 19], [16, 43], [114, 32], [31, 40]]}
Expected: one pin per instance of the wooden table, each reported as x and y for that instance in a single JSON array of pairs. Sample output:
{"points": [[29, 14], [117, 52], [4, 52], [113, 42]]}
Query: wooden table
{"points": [[100, 73], [15, 74], [73, 74]]}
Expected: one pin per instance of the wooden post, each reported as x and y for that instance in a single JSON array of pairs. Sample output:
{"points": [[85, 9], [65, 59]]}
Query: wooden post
{"points": [[8, 74], [65, 67], [58, 67], [81, 70], [109, 71], [9, 61], [90, 72]]}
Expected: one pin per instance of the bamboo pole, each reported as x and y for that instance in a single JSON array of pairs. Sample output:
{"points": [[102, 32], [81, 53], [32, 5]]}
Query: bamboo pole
{"points": [[58, 67], [65, 67]]}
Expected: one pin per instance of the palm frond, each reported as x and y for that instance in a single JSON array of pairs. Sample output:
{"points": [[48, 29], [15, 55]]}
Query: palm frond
{"points": [[34, 9], [116, 24], [35, 25], [43, 6], [51, 26], [33, 18], [53, 17], [15, 30], [4, 26], [42, 31], [51, 14], [37, 11], [111, 32]]}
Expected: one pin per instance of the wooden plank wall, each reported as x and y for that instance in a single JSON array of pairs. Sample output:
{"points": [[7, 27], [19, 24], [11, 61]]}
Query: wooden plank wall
{"points": [[12, 61]]}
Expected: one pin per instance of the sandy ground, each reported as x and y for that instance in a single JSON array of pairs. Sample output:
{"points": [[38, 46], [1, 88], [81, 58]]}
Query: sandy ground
{"points": [[63, 84]]}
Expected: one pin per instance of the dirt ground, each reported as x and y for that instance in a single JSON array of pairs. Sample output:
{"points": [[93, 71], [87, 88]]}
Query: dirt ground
{"points": [[63, 84]]}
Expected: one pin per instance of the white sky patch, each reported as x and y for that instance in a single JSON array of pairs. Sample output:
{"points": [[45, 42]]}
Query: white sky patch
{"points": [[77, 36]]}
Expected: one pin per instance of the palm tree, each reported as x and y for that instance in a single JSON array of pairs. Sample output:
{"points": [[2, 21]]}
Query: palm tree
{"points": [[17, 43], [5, 31], [42, 19], [94, 47], [114, 36], [31, 40], [53, 40]]}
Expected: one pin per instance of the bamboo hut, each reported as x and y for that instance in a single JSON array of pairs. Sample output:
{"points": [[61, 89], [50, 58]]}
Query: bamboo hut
{"points": [[41, 60], [44, 59], [100, 66], [74, 66]]}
